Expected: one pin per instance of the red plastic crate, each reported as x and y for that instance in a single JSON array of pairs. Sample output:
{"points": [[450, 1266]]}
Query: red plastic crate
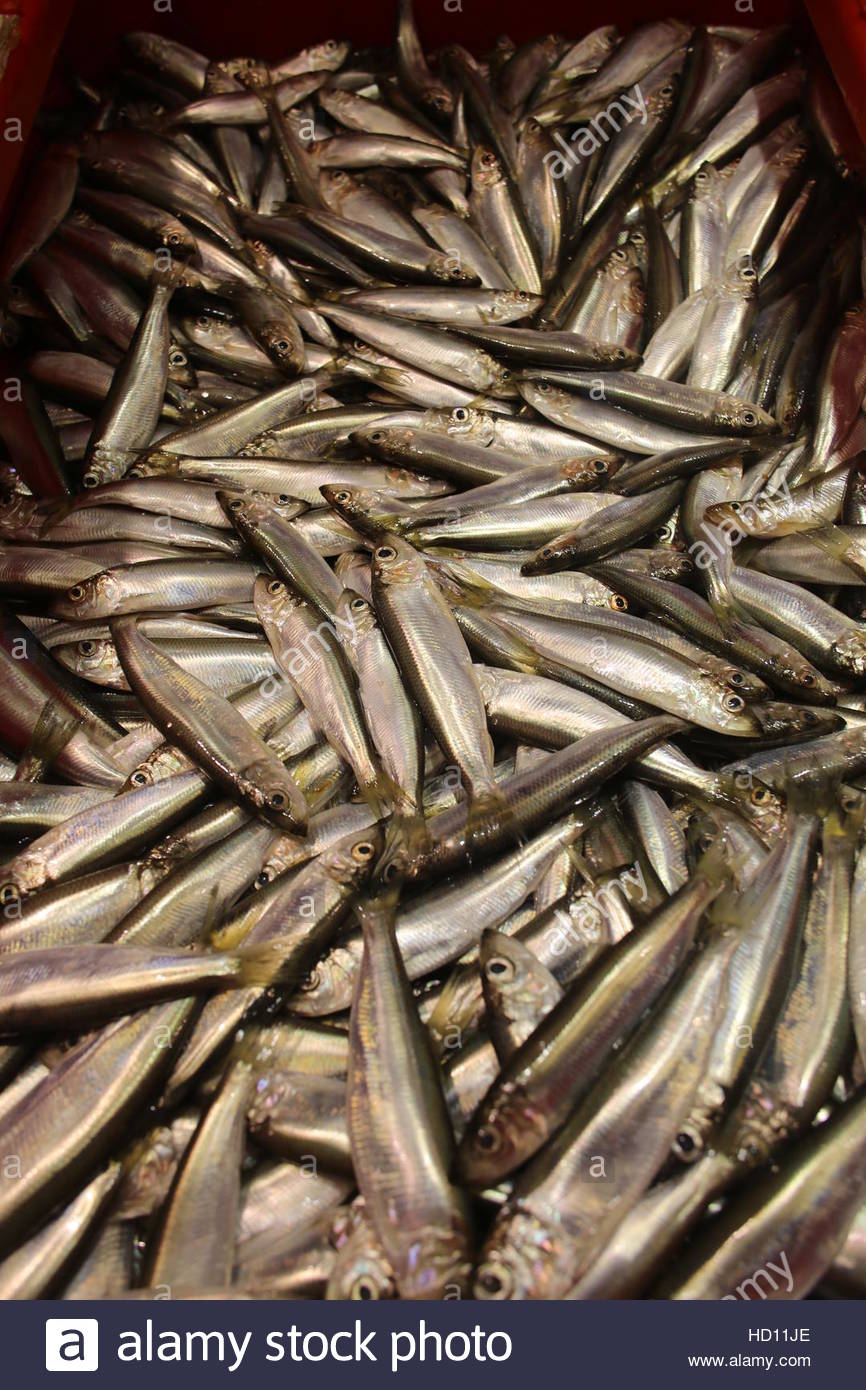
{"points": [[60, 37]]}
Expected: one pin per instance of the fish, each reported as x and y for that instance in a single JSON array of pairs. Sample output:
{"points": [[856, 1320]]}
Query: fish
{"points": [[433, 649]]}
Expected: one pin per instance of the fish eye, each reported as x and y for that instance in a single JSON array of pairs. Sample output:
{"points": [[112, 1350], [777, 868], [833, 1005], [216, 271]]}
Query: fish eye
{"points": [[363, 1288], [173, 238], [734, 703], [687, 1146], [343, 495], [311, 981], [264, 877], [749, 417], [460, 413], [276, 586], [236, 504], [487, 1140], [389, 873], [278, 800], [546, 551], [386, 552], [544, 386], [501, 968], [363, 851], [736, 678], [522, 296], [619, 602], [377, 436], [667, 89], [599, 466], [760, 796], [177, 359], [90, 479], [77, 593], [809, 717], [86, 647], [282, 345], [495, 1281], [138, 778], [662, 532], [283, 498], [358, 604], [9, 892], [203, 321], [808, 679], [705, 843], [735, 506]]}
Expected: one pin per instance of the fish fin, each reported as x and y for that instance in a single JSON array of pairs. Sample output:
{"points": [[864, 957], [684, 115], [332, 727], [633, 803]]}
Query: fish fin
{"points": [[836, 545], [266, 964], [55, 726]]}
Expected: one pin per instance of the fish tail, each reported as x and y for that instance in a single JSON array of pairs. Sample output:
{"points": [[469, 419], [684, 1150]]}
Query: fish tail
{"points": [[55, 726], [264, 965]]}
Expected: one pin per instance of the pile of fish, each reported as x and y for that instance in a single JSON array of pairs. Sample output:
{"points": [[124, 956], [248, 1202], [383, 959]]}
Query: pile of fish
{"points": [[433, 717]]}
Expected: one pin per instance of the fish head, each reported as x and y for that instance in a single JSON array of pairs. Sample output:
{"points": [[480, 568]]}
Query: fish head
{"points": [[754, 800], [369, 511], [21, 875], [729, 709], [780, 722], [273, 601], [523, 1258], [173, 235], [508, 305], [329, 55], [744, 417], [615, 355], [396, 562], [350, 861], [329, 985], [849, 652], [386, 441], [498, 1140], [282, 346], [244, 510], [666, 562], [93, 658], [746, 518], [740, 281], [444, 267], [282, 503], [355, 616], [485, 169], [278, 797], [516, 985], [153, 769], [544, 395], [361, 1270], [95, 597], [583, 473]]}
